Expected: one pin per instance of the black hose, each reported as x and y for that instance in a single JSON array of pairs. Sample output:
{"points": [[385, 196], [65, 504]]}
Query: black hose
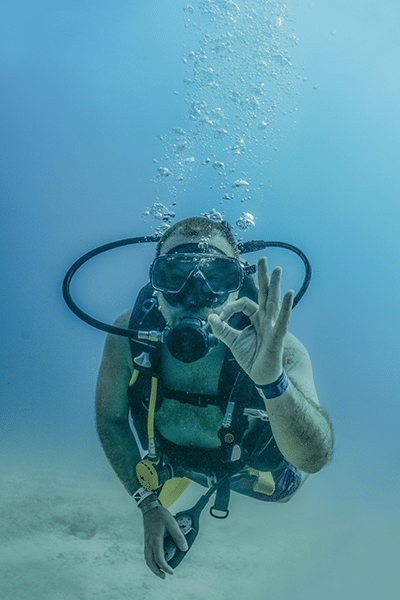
{"points": [[131, 333], [244, 247], [256, 245]]}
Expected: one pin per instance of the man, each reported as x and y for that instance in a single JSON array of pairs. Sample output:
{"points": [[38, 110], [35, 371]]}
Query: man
{"points": [[198, 275]]}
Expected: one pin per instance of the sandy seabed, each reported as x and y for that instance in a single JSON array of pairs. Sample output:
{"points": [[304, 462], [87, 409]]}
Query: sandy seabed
{"points": [[76, 536]]}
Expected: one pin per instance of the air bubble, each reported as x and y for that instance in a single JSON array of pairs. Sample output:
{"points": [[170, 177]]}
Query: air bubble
{"points": [[206, 76], [257, 90], [220, 133], [213, 215], [231, 8], [246, 52], [204, 243], [164, 172], [282, 60], [160, 212], [245, 222], [208, 7], [218, 113], [239, 183], [194, 111], [239, 147], [161, 229]]}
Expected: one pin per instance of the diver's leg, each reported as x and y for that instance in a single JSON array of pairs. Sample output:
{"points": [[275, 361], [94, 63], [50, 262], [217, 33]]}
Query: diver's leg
{"points": [[276, 486]]}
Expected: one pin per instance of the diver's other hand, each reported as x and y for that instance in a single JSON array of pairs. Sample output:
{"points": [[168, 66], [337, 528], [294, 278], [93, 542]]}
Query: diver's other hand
{"points": [[259, 347], [157, 523]]}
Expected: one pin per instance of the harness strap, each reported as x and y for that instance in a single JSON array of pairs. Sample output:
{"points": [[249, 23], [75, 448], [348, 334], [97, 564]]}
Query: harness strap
{"points": [[150, 419], [222, 500], [200, 400]]}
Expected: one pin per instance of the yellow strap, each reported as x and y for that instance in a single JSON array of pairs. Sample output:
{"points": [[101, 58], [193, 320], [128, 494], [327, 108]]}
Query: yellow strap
{"points": [[172, 489], [263, 480], [152, 407], [134, 377], [265, 483]]}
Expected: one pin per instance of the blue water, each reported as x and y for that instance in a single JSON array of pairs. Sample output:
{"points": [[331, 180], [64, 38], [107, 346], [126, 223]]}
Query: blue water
{"points": [[87, 89]]}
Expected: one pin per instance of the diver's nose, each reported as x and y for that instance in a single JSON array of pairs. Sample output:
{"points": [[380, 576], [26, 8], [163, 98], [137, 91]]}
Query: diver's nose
{"points": [[194, 289]]}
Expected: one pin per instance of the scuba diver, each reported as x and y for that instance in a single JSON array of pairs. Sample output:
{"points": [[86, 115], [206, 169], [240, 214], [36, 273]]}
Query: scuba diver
{"points": [[218, 390]]}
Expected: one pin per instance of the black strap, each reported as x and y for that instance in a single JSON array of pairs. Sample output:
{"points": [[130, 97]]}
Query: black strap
{"points": [[200, 400], [222, 500]]}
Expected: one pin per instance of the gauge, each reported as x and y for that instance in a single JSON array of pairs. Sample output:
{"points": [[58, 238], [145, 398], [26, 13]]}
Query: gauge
{"points": [[169, 550], [185, 523]]}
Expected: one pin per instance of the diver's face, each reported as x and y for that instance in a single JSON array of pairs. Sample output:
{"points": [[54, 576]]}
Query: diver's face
{"points": [[195, 299]]}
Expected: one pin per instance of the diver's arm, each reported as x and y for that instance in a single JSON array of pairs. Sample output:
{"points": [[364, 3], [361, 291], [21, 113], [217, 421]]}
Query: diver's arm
{"points": [[301, 427], [112, 410], [122, 451]]}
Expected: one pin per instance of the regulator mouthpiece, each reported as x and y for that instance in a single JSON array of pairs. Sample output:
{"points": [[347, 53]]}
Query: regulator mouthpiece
{"points": [[188, 341]]}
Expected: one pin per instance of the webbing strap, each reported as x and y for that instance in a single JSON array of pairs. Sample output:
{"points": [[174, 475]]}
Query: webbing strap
{"points": [[221, 500], [150, 419]]}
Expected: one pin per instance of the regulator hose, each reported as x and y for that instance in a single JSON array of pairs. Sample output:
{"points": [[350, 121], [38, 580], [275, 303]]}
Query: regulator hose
{"points": [[244, 248]]}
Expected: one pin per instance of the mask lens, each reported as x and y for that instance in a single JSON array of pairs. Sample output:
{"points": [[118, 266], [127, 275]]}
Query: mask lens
{"points": [[222, 274], [170, 273]]}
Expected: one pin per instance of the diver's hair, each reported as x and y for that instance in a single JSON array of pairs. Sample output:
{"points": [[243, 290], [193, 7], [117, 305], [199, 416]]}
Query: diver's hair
{"points": [[199, 226]]}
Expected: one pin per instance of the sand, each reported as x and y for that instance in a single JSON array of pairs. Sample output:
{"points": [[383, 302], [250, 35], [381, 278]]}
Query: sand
{"points": [[71, 534]]}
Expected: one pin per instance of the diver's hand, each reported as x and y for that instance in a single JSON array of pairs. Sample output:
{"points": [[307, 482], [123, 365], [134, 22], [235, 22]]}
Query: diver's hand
{"points": [[156, 523], [259, 347]]}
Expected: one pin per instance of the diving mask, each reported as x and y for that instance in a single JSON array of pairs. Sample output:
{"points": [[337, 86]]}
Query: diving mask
{"points": [[221, 274]]}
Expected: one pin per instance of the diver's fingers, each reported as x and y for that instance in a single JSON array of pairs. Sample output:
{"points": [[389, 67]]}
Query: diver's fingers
{"points": [[244, 305], [263, 282], [159, 557], [274, 294], [177, 536], [283, 320], [222, 331], [151, 563], [155, 523]]}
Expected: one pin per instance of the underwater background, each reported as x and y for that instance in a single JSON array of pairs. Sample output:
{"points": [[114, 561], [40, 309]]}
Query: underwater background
{"points": [[119, 118]]}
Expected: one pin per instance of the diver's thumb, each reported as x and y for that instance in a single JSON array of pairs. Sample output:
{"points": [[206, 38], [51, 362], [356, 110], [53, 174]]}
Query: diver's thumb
{"points": [[217, 325], [221, 330]]}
